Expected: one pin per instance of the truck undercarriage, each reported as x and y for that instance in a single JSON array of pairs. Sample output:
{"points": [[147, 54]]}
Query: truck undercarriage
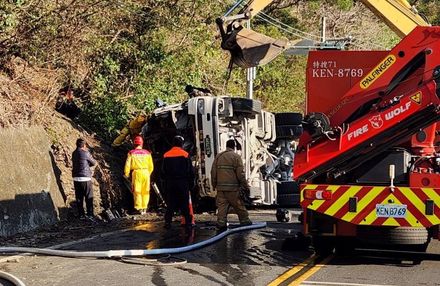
{"points": [[265, 142]]}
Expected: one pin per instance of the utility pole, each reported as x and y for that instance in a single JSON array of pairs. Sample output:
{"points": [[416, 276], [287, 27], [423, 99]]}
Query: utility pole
{"points": [[251, 74], [323, 24]]}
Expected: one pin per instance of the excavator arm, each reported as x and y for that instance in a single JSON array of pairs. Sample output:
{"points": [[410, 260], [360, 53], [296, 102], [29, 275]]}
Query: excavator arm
{"points": [[256, 6], [399, 15], [249, 48]]}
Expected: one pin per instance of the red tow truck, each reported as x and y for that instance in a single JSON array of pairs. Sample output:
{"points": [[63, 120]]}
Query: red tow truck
{"points": [[368, 162]]}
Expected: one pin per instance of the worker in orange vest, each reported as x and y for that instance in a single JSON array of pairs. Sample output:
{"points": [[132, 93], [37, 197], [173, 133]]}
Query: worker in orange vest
{"points": [[132, 128], [178, 178], [139, 164]]}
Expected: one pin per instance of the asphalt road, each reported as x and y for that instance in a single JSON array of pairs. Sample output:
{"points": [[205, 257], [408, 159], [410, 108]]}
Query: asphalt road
{"points": [[247, 258], [379, 270]]}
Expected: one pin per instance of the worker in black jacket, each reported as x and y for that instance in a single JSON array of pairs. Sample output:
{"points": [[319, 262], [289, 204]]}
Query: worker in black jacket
{"points": [[178, 178], [82, 178]]}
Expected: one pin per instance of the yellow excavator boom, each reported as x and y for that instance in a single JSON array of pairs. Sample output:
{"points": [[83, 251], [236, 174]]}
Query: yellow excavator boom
{"points": [[397, 14], [255, 6], [249, 48]]}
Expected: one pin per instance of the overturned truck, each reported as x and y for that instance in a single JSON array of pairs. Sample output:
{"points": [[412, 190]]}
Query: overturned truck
{"points": [[266, 142]]}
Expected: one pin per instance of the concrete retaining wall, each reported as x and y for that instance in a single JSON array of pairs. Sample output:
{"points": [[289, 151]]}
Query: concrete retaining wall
{"points": [[29, 193]]}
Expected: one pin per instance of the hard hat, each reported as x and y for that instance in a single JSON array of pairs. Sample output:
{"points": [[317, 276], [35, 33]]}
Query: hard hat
{"points": [[138, 141], [178, 141]]}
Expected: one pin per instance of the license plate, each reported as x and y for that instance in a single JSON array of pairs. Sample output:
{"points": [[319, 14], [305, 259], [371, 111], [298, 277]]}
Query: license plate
{"points": [[396, 211]]}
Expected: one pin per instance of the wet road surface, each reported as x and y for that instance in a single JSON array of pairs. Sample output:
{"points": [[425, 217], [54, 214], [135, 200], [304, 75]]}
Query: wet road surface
{"points": [[247, 258]]}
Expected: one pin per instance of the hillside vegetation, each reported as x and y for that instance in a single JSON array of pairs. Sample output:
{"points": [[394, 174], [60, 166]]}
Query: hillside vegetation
{"points": [[120, 56]]}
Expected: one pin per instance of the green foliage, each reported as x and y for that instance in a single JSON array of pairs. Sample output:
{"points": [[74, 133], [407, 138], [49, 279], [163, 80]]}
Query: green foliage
{"points": [[8, 17], [345, 5], [314, 4], [105, 114], [126, 54], [430, 9], [281, 85]]}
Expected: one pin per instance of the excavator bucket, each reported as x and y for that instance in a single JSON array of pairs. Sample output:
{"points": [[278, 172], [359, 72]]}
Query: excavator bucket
{"points": [[250, 49]]}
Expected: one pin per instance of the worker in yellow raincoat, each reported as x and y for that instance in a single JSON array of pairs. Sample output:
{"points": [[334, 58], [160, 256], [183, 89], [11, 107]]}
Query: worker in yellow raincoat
{"points": [[140, 164], [132, 128]]}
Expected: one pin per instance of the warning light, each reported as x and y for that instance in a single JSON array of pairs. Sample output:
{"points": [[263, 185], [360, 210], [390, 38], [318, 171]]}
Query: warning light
{"points": [[317, 194]]}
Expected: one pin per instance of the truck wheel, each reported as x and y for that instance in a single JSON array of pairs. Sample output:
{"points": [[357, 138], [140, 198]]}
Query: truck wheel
{"points": [[323, 245], [289, 187], [282, 215], [288, 118], [288, 200], [413, 237], [289, 131], [246, 105], [344, 247]]}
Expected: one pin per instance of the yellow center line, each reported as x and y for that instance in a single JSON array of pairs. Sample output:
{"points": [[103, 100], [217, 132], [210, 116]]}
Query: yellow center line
{"points": [[308, 263], [310, 272], [289, 273]]}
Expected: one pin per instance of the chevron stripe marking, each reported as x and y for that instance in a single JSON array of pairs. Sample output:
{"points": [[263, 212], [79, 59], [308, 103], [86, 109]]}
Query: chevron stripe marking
{"points": [[315, 204], [344, 210], [372, 219], [371, 205], [336, 194], [307, 187], [434, 195], [410, 219], [363, 203], [415, 211], [402, 222], [342, 200], [419, 202]]}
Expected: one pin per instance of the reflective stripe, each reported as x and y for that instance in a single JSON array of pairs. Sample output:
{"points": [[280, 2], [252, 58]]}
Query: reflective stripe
{"points": [[81, 179], [368, 197], [139, 152], [225, 167]]}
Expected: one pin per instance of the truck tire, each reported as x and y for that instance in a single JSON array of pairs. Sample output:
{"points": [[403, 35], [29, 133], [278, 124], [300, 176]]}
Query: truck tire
{"points": [[246, 105], [289, 131], [413, 236], [288, 118], [288, 200], [323, 245], [289, 187], [282, 215]]}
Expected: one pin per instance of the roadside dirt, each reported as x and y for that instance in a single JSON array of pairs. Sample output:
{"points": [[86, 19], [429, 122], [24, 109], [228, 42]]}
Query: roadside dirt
{"points": [[28, 97]]}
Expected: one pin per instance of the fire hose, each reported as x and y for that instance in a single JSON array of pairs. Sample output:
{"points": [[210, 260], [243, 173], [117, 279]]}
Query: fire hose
{"points": [[11, 278], [132, 252], [123, 254]]}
